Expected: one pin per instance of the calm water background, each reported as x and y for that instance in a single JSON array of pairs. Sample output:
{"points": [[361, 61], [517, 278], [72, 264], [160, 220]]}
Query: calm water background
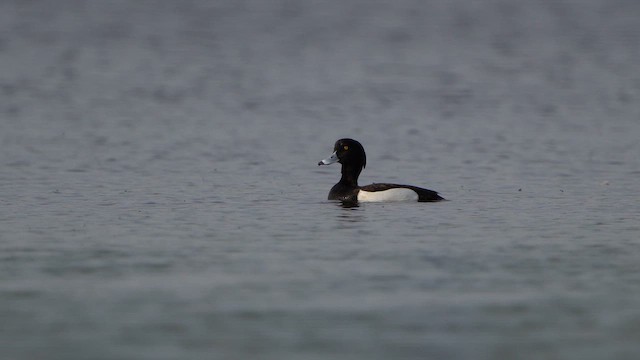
{"points": [[160, 199]]}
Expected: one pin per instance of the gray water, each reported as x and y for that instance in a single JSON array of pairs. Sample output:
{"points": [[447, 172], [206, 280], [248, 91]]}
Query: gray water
{"points": [[160, 199]]}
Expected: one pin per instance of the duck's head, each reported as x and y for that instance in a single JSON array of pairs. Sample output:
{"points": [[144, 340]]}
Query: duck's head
{"points": [[347, 152]]}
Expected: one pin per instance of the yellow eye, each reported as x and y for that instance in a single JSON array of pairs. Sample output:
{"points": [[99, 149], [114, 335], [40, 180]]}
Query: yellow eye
{"points": [[346, 147]]}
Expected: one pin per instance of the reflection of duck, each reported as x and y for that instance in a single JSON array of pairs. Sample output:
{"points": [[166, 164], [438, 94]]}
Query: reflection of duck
{"points": [[350, 217], [351, 155]]}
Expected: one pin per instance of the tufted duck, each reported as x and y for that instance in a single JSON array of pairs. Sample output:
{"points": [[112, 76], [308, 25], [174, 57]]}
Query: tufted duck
{"points": [[350, 154]]}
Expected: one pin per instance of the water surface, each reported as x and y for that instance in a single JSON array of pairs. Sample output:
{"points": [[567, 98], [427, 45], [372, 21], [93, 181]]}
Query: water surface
{"points": [[160, 199]]}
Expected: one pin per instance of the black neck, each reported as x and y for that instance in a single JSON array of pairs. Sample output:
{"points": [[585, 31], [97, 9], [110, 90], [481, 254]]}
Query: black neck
{"points": [[350, 175]]}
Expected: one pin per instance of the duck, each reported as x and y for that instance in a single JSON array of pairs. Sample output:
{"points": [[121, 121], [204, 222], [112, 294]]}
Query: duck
{"points": [[350, 153]]}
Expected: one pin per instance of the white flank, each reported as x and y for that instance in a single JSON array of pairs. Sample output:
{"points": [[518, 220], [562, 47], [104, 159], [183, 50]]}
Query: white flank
{"points": [[396, 194]]}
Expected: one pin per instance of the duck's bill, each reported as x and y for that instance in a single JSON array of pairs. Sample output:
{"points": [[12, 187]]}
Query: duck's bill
{"points": [[330, 160]]}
